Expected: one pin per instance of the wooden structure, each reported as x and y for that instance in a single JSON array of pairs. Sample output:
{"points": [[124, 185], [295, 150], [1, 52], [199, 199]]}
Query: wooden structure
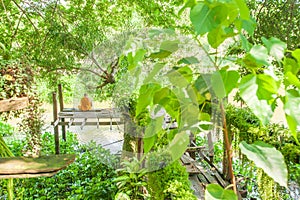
{"points": [[74, 117], [13, 104], [200, 176], [23, 167]]}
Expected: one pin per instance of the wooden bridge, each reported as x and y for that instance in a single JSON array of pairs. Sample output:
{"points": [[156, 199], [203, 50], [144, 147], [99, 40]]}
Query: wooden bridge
{"points": [[67, 117]]}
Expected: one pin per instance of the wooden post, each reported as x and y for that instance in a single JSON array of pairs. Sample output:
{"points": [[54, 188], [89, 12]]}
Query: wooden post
{"points": [[61, 105], [55, 117]]}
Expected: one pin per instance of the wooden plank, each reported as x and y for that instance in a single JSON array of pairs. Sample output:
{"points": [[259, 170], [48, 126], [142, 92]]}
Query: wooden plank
{"points": [[88, 115], [219, 178], [189, 164], [185, 160], [208, 176], [197, 187], [55, 123], [42, 164], [205, 172], [70, 122], [83, 123], [6, 176], [91, 123], [55, 117], [61, 106], [202, 179], [13, 104]]}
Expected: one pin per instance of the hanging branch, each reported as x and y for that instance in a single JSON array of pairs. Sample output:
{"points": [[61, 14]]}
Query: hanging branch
{"points": [[17, 28], [21, 9]]}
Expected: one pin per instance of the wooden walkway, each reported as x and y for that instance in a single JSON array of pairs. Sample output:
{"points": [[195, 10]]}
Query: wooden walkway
{"points": [[200, 176], [102, 117]]}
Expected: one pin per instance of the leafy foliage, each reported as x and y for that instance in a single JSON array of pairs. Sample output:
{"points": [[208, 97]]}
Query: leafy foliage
{"points": [[269, 16], [170, 182], [89, 177]]}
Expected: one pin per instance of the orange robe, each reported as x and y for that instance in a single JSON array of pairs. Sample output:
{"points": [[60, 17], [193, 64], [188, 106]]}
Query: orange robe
{"points": [[85, 104]]}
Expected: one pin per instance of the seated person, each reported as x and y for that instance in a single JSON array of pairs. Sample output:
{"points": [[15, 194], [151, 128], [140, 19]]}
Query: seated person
{"points": [[85, 103]]}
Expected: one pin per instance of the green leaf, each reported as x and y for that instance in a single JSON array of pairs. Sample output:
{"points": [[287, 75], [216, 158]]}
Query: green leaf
{"points": [[178, 145], [224, 81], [296, 54], [151, 131], [181, 76], [166, 49], [291, 65], [188, 4], [134, 60], [155, 32], [291, 109], [188, 60], [276, 47], [249, 26], [167, 99], [146, 96], [219, 35], [161, 54], [268, 158], [205, 19], [267, 87], [170, 45], [249, 88], [156, 68], [260, 54], [245, 44], [244, 11], [216, 192], [292, 79]]}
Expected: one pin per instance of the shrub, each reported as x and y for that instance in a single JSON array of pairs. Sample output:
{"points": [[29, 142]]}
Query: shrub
{"points": [[170, 182], [89, 177]]}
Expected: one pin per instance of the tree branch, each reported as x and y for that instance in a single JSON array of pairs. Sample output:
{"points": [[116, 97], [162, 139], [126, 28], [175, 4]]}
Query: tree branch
{"points": [[21, 9]]}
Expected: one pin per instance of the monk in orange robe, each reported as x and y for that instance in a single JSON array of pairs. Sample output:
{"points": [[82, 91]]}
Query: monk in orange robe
{"points": [[85, 103]]}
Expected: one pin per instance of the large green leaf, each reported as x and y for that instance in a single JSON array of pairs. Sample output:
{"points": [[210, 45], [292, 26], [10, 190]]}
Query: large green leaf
{"points": [[219, 35], [145, 98], [151, 132], [244, 11], [292, 79], [260, 54], [267, 87], [296, 54], [216, 192], [156, 69], [135, 59], [188, 60], [205, 19], [178, 145], [249, 26], [166, 49], [292, 108], [276, 47], [188, 4], [291, 65], [252, 91], [181, 76], [167, 99], [224, 81], [268, 158], [245, 43]]}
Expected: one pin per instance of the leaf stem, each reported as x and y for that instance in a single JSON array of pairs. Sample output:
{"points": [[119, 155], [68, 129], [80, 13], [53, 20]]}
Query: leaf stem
{"points": [[228, 148]]}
